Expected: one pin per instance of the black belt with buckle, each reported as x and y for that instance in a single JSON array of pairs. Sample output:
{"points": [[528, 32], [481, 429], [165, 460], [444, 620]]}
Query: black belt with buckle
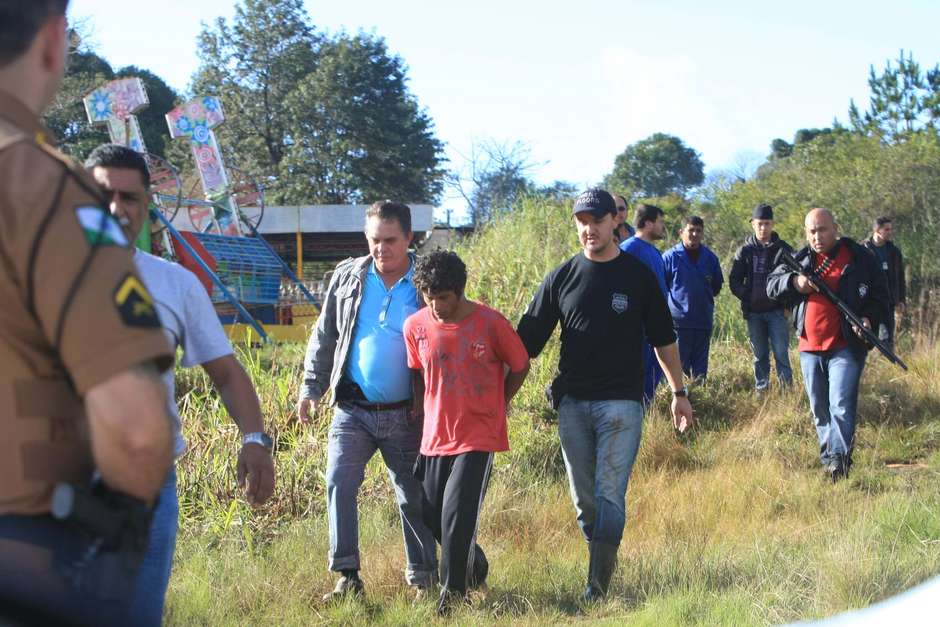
{"points": [[381, 406]]}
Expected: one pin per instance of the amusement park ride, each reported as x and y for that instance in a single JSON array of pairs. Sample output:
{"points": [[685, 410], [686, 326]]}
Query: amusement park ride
{"points": [[254, 291]]}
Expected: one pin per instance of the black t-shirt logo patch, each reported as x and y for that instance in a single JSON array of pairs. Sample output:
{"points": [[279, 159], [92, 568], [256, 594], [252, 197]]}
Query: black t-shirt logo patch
{"points": [[134, 303], [862, 290], [619, 302]]}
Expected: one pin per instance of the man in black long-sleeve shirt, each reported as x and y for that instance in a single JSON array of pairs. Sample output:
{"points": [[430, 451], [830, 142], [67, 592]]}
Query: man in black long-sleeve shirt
{"points": [[766, 319], [609, 303], [891, 262]]}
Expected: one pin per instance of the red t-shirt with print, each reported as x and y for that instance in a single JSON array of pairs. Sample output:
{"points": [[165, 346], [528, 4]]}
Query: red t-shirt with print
{"points": [[463, 365], [822, 326]]}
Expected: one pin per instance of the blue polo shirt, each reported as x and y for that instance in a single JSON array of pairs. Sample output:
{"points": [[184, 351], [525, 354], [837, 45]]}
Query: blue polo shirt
{"points": [[378, 360], [649, 255]]}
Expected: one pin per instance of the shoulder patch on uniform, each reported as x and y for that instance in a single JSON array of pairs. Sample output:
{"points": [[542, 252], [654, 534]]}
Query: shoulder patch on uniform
{"points": [[134, 303], [100, 227]]}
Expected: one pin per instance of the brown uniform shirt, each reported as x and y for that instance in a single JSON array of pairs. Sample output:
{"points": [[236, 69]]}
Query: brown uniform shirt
{"points": [[73, 312]]}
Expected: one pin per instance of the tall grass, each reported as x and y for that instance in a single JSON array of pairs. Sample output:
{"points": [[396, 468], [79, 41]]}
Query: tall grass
{"points": [[732, 523]]}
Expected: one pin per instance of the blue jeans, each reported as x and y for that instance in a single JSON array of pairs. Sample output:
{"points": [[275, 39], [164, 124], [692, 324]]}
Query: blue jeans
{"points": [[831, 380], [154, 577], [355, 435], [773, 328], [50, 574], [599, 441], [694, 346]]}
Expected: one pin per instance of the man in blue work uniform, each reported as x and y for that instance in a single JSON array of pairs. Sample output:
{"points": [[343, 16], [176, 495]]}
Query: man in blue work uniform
{"points": [[650, 227], [693, 279]]}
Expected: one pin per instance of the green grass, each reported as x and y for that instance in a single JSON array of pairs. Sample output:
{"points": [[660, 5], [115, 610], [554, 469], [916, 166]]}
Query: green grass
{"points": [[730, 524]]}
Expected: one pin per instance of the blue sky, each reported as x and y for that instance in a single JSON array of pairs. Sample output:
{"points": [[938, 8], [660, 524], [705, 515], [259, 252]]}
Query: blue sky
{"points": [[579, 81]]}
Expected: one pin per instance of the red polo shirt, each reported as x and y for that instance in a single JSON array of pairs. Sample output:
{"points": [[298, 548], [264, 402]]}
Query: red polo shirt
{"points": [[822, 326]]}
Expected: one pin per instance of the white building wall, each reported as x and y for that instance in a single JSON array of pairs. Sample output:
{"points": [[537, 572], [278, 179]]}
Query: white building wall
{"points": [[319, 218]]}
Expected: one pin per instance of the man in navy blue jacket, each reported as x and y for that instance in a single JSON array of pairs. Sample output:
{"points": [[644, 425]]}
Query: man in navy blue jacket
{"points": [[693, 279]]}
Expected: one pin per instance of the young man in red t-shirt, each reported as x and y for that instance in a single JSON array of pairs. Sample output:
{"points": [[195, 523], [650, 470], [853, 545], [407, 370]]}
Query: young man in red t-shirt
{"points": [[468, 363]]}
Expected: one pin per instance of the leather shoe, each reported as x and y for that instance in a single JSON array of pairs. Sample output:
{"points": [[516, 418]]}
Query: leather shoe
{"points": [[346, 586], [837, 470]]}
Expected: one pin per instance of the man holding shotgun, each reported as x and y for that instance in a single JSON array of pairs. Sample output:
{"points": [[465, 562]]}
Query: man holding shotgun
{"points": [[832, 348]]}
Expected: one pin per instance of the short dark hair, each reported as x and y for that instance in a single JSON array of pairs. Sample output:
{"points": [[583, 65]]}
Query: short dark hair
{"points": [[20, 20], [646, 213], [880, 221], [391, 210], [439, 272], [693, 221], [117, 156]]}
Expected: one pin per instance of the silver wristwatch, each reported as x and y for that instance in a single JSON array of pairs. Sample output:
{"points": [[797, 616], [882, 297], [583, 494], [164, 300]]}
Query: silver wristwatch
{"points": [[260, 438]]}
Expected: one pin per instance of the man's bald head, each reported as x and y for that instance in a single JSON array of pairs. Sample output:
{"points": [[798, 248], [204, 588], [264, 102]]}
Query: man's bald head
{"points": [[822, 230], [820, 213]]}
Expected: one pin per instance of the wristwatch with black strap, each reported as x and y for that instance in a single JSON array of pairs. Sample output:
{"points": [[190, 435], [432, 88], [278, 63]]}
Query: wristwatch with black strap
{"points": [[682, 392]]}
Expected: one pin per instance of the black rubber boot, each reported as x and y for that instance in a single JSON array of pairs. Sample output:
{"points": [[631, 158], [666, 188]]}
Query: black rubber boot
{"points": [[603, 561]]}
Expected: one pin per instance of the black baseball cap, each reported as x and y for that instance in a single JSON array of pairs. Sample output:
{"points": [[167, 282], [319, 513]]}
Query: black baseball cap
{"points": [[763, 211], [597, 201]]}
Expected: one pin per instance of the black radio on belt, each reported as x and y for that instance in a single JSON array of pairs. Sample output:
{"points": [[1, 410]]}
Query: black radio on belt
{"points": [[350, 391]]}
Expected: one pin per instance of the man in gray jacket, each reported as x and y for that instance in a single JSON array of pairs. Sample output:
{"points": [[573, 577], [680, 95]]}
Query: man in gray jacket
{"points": [[357, 350]]}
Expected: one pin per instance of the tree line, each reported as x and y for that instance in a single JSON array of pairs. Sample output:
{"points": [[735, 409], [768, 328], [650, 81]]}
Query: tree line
{"points": [[329, 118], [317, 118], [884, 161]]}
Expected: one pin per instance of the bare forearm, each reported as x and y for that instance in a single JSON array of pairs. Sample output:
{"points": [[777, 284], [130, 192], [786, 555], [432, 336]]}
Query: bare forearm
{"points": [[513, 384], [417, 385], [237, 393], [668, 357], [131, 436], [417, 393]]}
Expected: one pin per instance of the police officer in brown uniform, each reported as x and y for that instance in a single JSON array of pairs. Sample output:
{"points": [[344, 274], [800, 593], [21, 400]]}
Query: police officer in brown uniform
{"points": [[84, 436]]}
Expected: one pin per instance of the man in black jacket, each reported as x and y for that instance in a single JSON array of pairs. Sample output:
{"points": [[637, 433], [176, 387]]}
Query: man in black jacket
{"points": [[766, 318], [832, 352], [892, 262]]}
